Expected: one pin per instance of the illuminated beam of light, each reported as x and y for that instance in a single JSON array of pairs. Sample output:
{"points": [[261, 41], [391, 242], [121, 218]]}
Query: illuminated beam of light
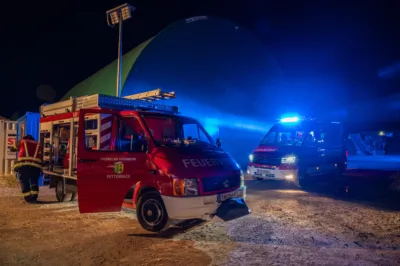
{"points": [[212, 119]]}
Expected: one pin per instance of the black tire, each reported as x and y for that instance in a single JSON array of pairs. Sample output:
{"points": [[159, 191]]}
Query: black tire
{"points": [[74, 196], [303, 180], [61, 197], [151, 212]]}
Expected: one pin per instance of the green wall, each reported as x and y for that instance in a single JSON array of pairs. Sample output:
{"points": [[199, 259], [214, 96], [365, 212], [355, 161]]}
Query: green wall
{"points": [[104, 80]]}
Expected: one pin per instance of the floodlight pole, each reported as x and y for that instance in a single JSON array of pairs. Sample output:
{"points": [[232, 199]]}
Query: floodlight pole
{"points": [[115, 16], [119, 67]]}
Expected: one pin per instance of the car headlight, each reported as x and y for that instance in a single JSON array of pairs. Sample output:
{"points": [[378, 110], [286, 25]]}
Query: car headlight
{"points": [[241, 178], [289, 159], [185, 187], [251, 157]]}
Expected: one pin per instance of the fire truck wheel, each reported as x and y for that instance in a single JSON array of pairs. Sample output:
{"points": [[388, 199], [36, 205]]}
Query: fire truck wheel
{"points": [[73, 196], [61, 197], [151, 212], [302, 179]]}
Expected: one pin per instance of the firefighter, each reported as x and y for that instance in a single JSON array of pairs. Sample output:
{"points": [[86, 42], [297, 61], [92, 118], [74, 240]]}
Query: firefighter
{"points": [[28, 168]]}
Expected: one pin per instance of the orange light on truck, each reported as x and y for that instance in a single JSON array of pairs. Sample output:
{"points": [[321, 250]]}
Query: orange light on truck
{"points": [[178, 186]]}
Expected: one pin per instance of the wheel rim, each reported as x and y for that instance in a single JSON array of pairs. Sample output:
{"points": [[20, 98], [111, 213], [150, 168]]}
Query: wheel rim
{"points": [[60, 192], [152, 212]]}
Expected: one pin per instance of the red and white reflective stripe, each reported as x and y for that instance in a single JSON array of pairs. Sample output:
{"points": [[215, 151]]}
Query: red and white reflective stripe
{"points": [[105, 131]]}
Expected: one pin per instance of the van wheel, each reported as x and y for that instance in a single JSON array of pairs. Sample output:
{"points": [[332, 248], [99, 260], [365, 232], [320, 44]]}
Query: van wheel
{"points": [[303, 180], [61, 197], [151, 212], [73, 196]]}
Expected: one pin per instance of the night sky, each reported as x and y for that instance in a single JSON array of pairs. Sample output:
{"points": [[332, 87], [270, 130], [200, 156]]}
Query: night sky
{"points": [[59, 45]]}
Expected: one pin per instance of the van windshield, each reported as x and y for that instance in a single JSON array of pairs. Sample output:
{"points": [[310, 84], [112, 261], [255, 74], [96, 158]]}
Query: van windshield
{"points": [[176, 131], [322, 134], [284, 136]]}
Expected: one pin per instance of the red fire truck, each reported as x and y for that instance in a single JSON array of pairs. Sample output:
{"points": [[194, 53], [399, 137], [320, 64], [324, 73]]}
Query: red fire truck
{"points": [[132, 152]]}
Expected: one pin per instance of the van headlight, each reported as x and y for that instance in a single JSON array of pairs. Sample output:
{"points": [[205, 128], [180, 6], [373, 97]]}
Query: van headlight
{"points": [[191, 187], [289, 159], [251, 157], [185, 187]]}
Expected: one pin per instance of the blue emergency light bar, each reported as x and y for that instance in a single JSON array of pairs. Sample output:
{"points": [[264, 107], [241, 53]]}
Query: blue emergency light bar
{"points": [[112, 102], [293, 119]]}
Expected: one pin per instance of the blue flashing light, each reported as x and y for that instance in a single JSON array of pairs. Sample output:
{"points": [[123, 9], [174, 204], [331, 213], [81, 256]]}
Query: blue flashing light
{"points": [[290, 119]]}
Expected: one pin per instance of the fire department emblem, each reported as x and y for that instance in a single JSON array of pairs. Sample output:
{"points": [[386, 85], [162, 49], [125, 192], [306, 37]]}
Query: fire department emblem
{"points": [[118, 168]]}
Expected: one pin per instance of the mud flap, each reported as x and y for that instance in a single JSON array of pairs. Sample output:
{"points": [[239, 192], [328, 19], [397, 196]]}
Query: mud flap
{"points": [[232, 209]]}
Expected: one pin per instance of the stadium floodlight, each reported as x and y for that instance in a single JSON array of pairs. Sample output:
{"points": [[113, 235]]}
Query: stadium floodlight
{"points": [[116, 16]]}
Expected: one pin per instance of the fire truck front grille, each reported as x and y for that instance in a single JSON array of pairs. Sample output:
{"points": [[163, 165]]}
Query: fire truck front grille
{"points": [[267, 161], [220, 183]]}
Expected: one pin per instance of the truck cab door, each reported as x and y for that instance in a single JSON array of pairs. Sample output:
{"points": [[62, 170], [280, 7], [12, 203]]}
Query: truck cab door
{"points": [[108, 164]]}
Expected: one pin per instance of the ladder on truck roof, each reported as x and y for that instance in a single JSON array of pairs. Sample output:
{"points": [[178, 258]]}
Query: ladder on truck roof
{"points": [[157, 94], [139, 101]]}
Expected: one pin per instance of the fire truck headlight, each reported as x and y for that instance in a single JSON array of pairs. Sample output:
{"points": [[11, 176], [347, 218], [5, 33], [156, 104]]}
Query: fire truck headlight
{"points": [[185, 187], [251, 157], [191, 187], [289, 159]]}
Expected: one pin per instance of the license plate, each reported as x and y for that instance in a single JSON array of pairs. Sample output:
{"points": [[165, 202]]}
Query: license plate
{"points": [[265, 173], [230, 195]]}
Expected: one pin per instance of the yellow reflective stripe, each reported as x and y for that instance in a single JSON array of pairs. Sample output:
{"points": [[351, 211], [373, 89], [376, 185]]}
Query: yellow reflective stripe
{"points": [[28, 163], [29, 159], [26, 194], [36, 150], [35, 192], [26, 149], [20, 164]]}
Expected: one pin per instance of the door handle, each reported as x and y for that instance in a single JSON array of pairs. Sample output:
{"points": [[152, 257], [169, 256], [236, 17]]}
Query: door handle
{"points": [[87, 160]]}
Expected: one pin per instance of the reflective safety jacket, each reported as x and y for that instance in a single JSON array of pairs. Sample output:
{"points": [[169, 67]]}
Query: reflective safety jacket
{"points": [[29, 154]]}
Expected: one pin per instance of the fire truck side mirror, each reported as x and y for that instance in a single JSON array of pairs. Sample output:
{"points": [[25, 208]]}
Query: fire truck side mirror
{"points": [[218, 142]]}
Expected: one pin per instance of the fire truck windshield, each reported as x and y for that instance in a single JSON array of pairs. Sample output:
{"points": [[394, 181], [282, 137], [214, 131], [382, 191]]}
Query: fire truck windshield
{"points": [[173, 130], [284, 136]]}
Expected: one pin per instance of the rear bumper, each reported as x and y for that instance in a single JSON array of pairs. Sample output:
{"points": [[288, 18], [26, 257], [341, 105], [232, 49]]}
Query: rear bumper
{"points": [[203, 207], [272, 174]]}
